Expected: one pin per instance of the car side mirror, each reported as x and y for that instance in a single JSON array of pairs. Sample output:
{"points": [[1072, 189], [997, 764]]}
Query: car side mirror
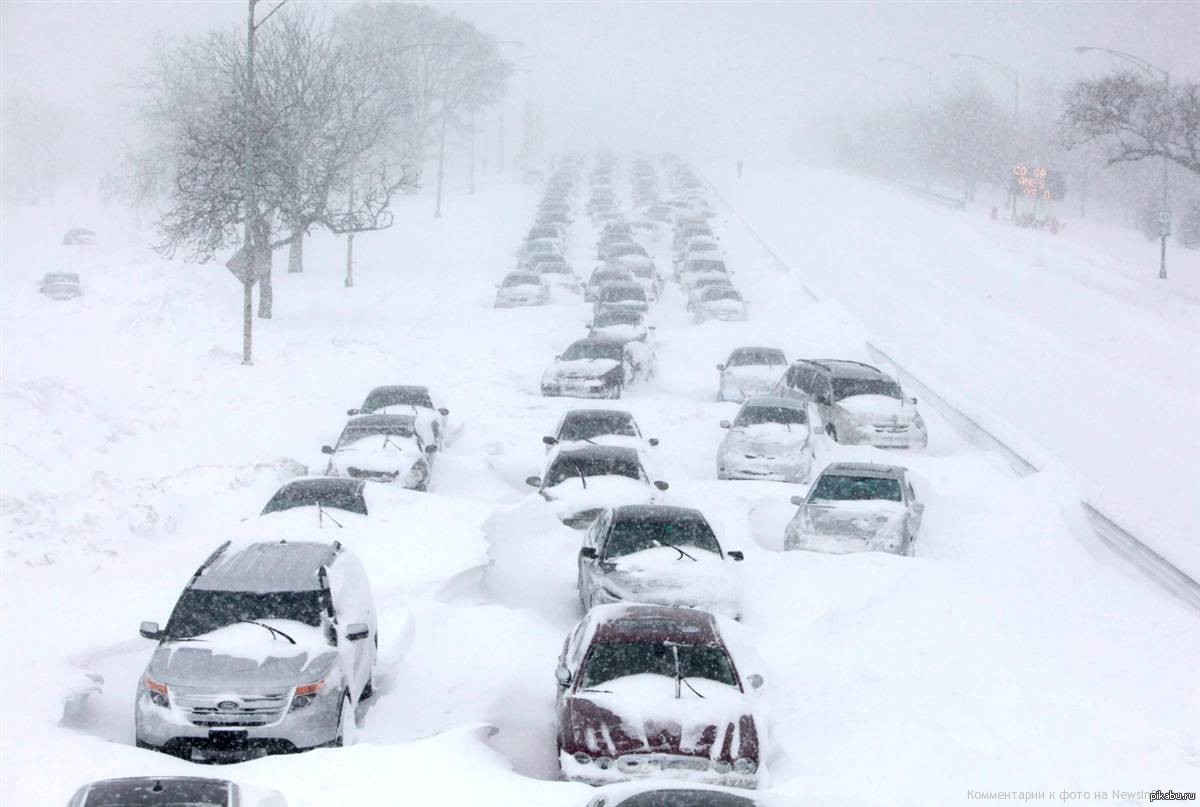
{"points": [[353, 412], [150, 630], [558, 357], [756, 681], [913, 400], [548, 440], [736, 555], [720, 368], [588, 552], [725, 424], [653, 441], [443, 411], [533, 481], [797, 500], [357, 631], [563, 676], [661, 485], [431, 449], [326, 449]]}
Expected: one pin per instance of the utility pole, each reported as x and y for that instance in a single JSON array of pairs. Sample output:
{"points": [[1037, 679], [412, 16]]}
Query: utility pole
{"points": [[437, 213], [250, 200], [500, 139], [472, 151], [350, 235]]}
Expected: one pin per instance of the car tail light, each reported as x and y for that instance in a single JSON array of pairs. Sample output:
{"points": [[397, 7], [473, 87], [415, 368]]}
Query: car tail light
{"points": [[159, 694], [721, 766], [304, 694], [604, 763], [744, 765]]}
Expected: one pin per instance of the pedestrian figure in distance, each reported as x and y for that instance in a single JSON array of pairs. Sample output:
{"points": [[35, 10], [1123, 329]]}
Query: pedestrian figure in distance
{"points": [[739, 167]]}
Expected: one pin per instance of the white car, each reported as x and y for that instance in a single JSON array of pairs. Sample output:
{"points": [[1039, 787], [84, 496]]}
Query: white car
{"points": [[643, 271], [607, 427], [750, 371], [658, 555], [598, 368], [536, 248], [769, 439], [580, 483], [558, 276], [519, 289], [382, 448], [718, 302], [409, 399], [620, 325], [857, 507]]}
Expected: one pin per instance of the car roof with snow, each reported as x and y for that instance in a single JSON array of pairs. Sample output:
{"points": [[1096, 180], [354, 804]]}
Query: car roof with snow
{"points": [[653, 623], [657, 513], [844, 368], [530, 277], [868, 469], [595, 414], [397, 395], [266, 566], [373, 420], [774, 402], [755, 350]]}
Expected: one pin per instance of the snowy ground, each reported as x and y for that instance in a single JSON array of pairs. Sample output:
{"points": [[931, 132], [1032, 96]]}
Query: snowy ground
{"points": [[1008, 655]]}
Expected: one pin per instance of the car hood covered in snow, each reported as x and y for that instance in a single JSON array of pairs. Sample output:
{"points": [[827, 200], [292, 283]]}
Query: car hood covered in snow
{"points": [[663, 576], [850, 526], [582, 368], [754, 376], [245, 654], [396, 456], [767, 438], [877, 407], [639, 714], [570, 496]]}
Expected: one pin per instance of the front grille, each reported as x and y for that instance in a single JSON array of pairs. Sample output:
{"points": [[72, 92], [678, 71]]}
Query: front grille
{"points": [[378, 476], [244, 709]]}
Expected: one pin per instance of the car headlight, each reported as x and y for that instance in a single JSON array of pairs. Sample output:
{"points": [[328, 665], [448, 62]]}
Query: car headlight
{"points": [[604, 763], [721, 766], [306, 694], [581, 758], [417, 474], [744, 765], [158, 692]]}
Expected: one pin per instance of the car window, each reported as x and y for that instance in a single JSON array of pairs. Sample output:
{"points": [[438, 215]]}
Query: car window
{"points": [[850, 387], [756, 415], [397, 396], [837, 487], [201, 611], [573, 465], [608, 661], [756, 356], [636, 535], [594, 350], [400, 427], [310, 494], [596, 424]]}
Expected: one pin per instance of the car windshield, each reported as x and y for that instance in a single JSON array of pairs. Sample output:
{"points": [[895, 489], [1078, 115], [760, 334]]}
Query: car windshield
{"points": [[159, 793], [594, 350], [707, 266], [637, 534], [685, 798], [615, 316], [201, 611], [397, 396], [838, 488], [520, 280], [596, 424], [542, 246], [849, 387], [614, 294], [755, 415], [570, 466], [721, 293], [61, 277], [308, 494], [748, 356], [361, 431], [552, 267], [608, 661]]}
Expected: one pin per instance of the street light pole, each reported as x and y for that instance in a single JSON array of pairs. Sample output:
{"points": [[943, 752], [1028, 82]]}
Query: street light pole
{"points": [[1157, 72], [249, 198], [1011, 73]]}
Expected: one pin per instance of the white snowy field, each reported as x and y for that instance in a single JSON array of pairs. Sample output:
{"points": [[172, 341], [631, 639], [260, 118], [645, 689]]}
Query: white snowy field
{"points": [[1008, 655], [1068, 343]]}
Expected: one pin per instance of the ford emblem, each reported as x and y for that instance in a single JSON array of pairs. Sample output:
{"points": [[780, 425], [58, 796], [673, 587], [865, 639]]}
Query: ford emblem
{"points": [[229, 706]]}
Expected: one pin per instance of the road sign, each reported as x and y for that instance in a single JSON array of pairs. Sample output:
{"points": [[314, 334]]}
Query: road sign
{"points": [[240, 265], [1164, 216]]}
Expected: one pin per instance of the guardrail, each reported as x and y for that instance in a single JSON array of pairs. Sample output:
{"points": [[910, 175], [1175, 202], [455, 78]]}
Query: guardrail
{"points": [[918, 190], [1160, 571]]}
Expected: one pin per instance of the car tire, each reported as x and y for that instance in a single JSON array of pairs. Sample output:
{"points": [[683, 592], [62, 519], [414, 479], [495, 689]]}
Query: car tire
{"points": [[831, 430], [368, 689]]}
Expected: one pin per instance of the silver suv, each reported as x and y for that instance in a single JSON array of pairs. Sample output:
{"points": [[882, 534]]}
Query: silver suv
{"points": [[856, 403], [269, 650]]}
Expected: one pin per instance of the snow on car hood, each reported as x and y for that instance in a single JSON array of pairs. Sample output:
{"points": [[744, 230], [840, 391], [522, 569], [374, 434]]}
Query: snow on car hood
{"points": [[662, 576], [569, 496], [868, 521], [758, 375], [582, 368], [245, 654], [398, 455], [523, 290], [768, 437], [876, 406], [640, 714]]}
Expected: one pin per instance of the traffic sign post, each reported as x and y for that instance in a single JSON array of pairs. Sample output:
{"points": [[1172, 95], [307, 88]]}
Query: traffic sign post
{"points": [[1164, 229]]}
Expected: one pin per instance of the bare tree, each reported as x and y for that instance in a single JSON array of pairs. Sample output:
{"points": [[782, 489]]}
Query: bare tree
{"points": [[1135, 118]]}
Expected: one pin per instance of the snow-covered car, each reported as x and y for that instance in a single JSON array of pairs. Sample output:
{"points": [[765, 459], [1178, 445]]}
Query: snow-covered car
{"points": [[269, 649], [605, 274], [405, 399], [79, 237], [695, 269], [553, 218], [857, 404], [382, 448], [643, 271], [667, 794], [60, 285], [659, 555], [621, 325], [718, 302], [700, 246], [519, 289], [174, 791], [687, 230], [579, 483], [857, 507], [695, 290], [750, 371], [620, 249], [554, 231], [541, 247], [653, 692], [598, 368], [626, 296], [769, 439], [557, 276], [608, 427]]}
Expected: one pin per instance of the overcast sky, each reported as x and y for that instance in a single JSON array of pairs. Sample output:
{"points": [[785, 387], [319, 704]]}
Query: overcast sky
{"points": [[709, 76]]}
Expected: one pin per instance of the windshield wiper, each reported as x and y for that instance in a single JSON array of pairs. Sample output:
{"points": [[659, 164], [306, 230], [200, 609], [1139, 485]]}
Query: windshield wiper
{"points": [[679, 679], [274, 631], [682, 554], [582, 478], [387, 438], [322, 515]]}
